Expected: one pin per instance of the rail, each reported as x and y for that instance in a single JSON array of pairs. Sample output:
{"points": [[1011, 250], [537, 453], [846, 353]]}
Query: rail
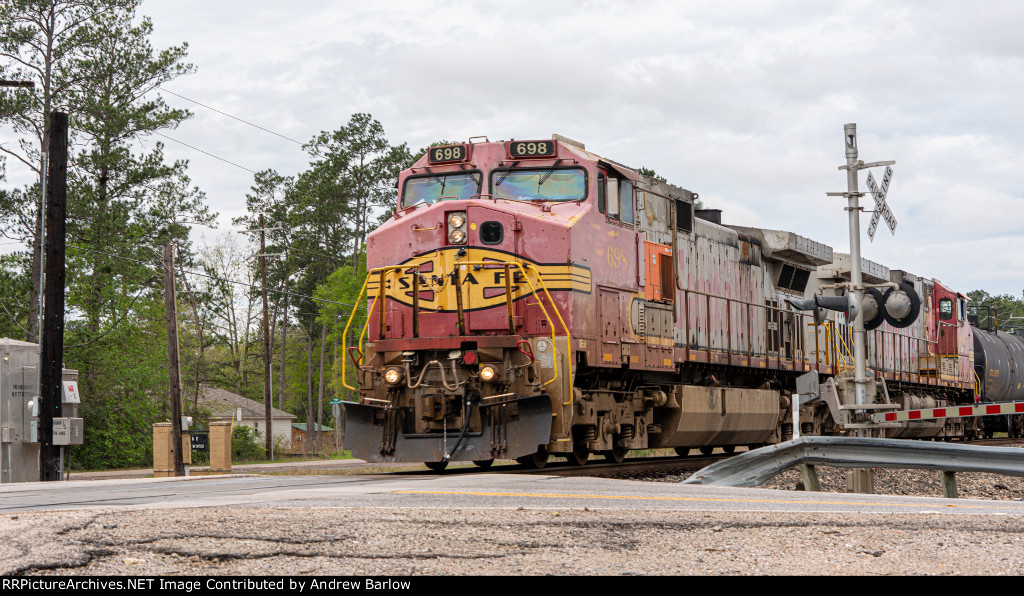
{"points": [[380, 298], [754, 468]]}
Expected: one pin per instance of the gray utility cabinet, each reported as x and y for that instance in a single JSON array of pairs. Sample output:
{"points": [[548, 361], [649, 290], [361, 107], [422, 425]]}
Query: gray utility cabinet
{"points": [[19, 410], [19, 383]]}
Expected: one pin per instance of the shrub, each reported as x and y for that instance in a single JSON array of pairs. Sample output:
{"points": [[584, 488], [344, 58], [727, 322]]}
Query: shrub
{"points": [[246, 444]]}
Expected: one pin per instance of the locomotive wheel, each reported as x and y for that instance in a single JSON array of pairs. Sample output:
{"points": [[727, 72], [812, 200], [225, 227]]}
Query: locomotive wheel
{"points": [[729, 448], [483, 463], [436, 466], [536, 460], [617, 454], [706, 450], [579, 456], [682, 451]]}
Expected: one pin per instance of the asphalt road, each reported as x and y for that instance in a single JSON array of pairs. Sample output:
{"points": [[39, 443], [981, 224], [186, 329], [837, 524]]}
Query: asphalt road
{"points": [[475, 491], [468, 524]]}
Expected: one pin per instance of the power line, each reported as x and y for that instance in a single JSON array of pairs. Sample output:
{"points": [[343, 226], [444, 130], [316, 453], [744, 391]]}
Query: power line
{"points": [[23, 330], [180, 143], [240, 283], [234, 117], [205, 152]]}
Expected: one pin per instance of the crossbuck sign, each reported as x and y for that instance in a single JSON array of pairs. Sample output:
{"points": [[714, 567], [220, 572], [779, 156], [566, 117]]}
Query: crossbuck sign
{"points": [[881, 208]]}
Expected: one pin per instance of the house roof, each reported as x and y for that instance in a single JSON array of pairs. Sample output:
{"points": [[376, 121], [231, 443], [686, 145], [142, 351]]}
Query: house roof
{"points": [[302, 426], [223, 403]]}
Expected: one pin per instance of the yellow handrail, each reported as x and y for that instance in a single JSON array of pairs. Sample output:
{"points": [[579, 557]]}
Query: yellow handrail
{"points": [[835, 339], [848, 353], [383, 271]]}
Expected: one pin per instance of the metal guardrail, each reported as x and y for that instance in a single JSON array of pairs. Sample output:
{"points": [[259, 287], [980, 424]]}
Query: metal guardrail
{"points": [[756, 467]]}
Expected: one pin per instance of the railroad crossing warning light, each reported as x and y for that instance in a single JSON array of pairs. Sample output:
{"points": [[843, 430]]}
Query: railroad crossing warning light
{"points": [[821, 304], [898, 307]]}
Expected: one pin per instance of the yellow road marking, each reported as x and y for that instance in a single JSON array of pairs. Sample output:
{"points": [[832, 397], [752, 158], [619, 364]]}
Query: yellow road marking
{"points": [[715, 500]]}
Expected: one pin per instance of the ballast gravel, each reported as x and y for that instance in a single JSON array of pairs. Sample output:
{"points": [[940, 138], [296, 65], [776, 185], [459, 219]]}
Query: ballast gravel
{"points": [[391, 542]]}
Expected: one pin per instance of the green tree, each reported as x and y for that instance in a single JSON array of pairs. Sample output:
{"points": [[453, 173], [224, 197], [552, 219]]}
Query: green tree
{"points": [[123, 202], [128, 389], [14, 282], [1005, 310], [339, 293], [355, 168], [41, 41], [93, 60], [271, 196]]}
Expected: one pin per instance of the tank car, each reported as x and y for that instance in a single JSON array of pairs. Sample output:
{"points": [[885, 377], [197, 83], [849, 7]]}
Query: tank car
{"points": [[532, 298], [999, 365]]}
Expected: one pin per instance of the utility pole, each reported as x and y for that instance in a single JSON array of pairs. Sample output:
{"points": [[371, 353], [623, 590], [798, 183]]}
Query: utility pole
{"points": [[171, 306], [266, 341], [51, 363]]}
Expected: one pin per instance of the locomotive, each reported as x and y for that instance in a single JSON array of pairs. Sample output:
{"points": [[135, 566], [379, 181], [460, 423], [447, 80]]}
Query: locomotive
{"points": [[530, 298]]}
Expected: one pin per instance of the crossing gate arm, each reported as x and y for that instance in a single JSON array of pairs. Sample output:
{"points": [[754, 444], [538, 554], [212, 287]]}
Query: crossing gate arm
{"points": [[951, 412]]}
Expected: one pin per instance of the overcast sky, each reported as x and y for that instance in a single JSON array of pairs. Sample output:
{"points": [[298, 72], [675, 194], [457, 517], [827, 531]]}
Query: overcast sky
{"points": [[742, 102]]}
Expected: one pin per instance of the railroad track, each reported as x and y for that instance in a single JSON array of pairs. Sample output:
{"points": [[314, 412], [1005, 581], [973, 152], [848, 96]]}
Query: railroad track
{"points": [[639, 465], [644, 466]]}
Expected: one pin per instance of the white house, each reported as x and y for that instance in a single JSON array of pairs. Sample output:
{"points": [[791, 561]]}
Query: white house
{"points": [[224, 405]]}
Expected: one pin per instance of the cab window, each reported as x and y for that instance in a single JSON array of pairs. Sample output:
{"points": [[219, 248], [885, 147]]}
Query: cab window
{"points": [[626, 194], [602, 199], [945, 309], [613, 198]]}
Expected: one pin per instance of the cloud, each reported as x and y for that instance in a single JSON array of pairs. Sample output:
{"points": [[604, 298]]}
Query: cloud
{"points": [[743, 102]]}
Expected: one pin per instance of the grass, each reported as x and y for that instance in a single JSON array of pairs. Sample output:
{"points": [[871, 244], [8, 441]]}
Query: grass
{"points": [[283, 458]]}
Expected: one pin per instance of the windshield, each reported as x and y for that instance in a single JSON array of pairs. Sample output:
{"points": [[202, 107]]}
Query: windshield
{"points": [[427, 189], [544, 184]]}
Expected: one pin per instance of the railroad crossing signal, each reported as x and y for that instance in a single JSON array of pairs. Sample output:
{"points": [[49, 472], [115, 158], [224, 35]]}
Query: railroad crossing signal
{"points": [[881, 208]]}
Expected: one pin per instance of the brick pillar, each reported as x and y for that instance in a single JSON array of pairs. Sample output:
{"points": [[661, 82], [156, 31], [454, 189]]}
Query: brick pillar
{"points": [[220, 447], [163, 454]]}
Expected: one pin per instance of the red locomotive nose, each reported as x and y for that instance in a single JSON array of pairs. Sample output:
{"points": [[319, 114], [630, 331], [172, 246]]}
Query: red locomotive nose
{"points": [[469, 358]]}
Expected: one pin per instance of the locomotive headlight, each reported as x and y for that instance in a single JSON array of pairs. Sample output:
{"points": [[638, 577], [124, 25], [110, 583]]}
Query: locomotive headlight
{"points": [[457, 227], [456, 220], [393, 375], [487, 373]]}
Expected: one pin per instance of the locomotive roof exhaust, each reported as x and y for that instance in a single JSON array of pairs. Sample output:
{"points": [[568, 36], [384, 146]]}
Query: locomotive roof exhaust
{"points": [[568, 141]]}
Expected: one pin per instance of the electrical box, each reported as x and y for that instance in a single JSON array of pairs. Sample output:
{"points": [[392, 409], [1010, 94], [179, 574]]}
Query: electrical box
{"points": [[19, 384], [69, 400], [68, 431], [69, 395], [19, 411]]}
